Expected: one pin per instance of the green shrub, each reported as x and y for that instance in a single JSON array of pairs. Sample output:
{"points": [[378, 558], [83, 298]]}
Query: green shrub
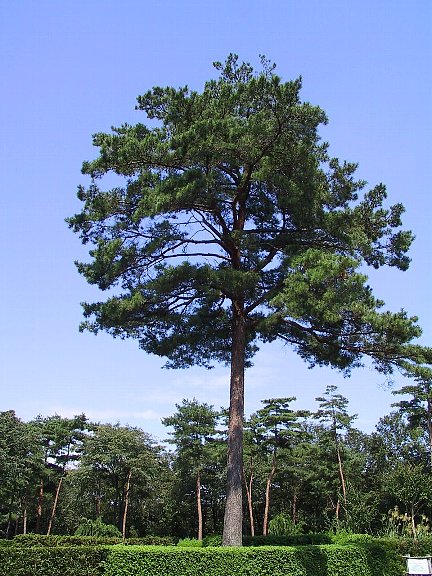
{"points": [[290, 540], [63, 540], [190, 543], [152, 541], [97, 528], [364, 559], [348, 538], [282, 525], [212, 540], [54, 561], [377, 557], [54, 540]]}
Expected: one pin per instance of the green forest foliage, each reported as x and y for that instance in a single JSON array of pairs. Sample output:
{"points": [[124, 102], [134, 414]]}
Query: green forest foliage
{"points": [[386, 488]]}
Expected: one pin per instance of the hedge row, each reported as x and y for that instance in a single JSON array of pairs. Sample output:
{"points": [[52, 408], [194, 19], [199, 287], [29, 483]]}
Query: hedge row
{"points": [[291, 540], [64, 540], [363, 559], [53, 561]]}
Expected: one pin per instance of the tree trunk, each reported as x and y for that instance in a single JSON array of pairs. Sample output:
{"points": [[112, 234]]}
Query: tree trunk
{"points": [[248, 486], [413, 526], [429, 427], [199, 508], [267, 495], [39, 507], [233, 520], [294, 509], [8, 526], [337, 513], [25, 521], [98, 506], [53, 511], [126, 505], [342, 476]]}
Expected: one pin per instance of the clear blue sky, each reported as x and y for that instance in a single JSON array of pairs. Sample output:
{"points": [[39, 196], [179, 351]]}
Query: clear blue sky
{"points": [[69, 69]]}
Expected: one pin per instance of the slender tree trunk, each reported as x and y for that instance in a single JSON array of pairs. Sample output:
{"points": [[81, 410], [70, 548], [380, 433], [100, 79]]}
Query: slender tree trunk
{"points": [[98, 506], [294, 509], [341, 474], [8, 525], [126, 505], [233, 520], [429, 427], [39, 507], [337, 512], [413, 526], [248, 486], [25, 521], [267, 495], [53, 511], [199, 508]]}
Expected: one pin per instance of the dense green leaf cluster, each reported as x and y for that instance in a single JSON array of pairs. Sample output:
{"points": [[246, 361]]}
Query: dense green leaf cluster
{"points": [[31, 540], [53, 561]]}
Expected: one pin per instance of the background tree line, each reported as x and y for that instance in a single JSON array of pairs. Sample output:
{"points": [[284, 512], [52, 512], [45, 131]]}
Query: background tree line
{"points": [[302, 471]]}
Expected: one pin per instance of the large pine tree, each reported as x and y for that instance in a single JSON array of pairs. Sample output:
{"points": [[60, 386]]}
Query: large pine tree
{"points": [[234, 226]]}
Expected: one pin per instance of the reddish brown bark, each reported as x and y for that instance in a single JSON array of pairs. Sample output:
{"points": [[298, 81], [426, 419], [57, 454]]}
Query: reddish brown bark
{"points": [[39, 507], [126, 505], [53, 511], [267, 496], [233, 521], [199, 508], [248, 486]]}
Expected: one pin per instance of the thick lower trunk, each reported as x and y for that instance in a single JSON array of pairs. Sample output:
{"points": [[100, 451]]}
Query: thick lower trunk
{"points": [[126, 505], [53, 511], [267, 496], [233, 520], [199, 508]]}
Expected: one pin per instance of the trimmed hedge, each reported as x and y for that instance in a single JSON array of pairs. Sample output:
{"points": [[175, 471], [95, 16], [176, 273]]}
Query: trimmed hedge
{"points": [[288, 540], [53, 561], [63, 540], [363, 557], [327, 560]]}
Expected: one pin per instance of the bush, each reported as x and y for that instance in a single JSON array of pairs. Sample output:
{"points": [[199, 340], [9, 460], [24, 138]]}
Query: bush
{"points": [[97, 528], [62, 540], [212, 540], [54, 561], [291, 540], [190, 543], [282, 525], [365, 559], [377, 557], [152, 541], [348, 538], [54, 540]]}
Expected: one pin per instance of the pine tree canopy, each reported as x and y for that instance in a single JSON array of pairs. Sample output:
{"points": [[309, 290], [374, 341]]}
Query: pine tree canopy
{"points": [[229, 203]]}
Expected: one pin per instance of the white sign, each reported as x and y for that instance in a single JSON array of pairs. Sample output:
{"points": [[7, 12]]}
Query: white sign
{"points": [[419, 566]]}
